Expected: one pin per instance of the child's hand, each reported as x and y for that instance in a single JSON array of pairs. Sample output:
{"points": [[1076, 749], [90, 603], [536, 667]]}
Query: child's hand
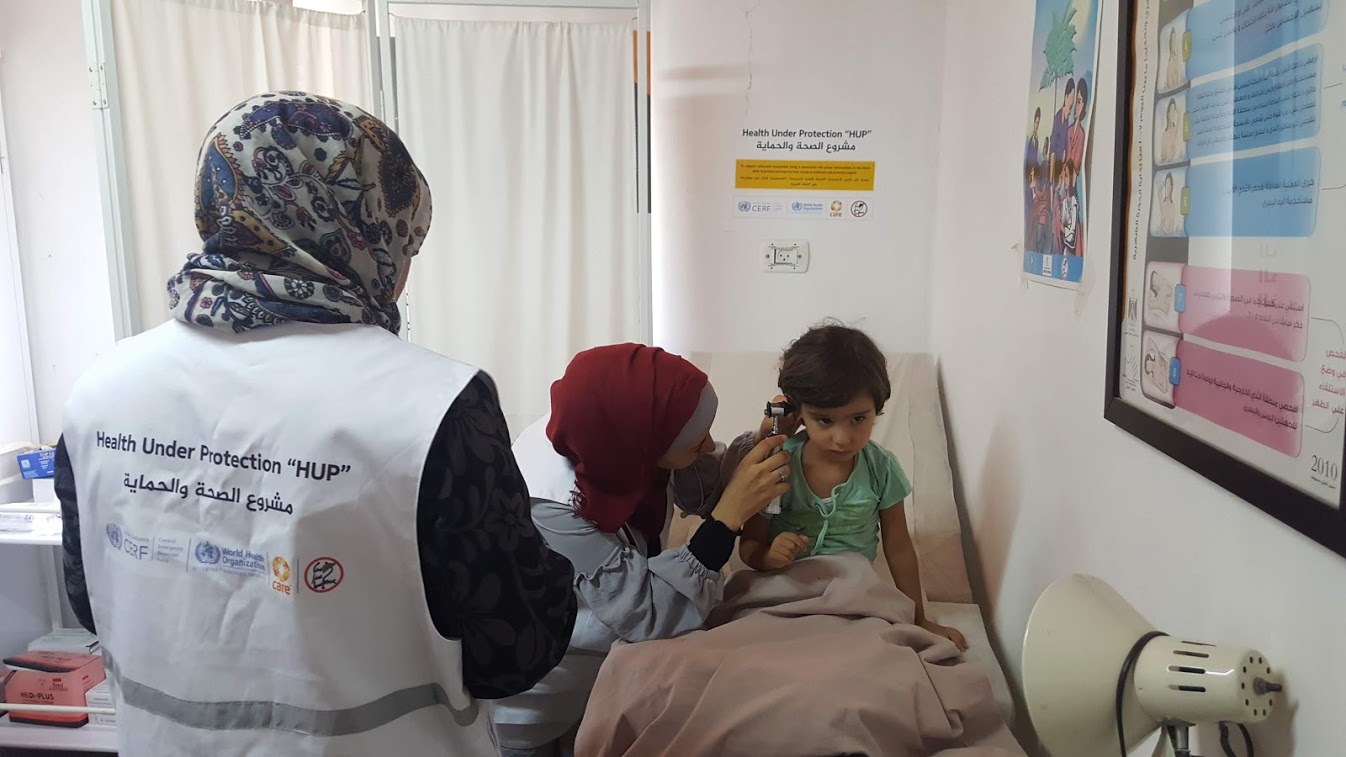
{"points": [[951, 634], [784, 549], [788, 424]]}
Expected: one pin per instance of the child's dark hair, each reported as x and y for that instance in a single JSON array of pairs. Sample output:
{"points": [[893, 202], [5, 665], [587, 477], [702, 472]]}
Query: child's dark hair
{"points": [[831, 365]]}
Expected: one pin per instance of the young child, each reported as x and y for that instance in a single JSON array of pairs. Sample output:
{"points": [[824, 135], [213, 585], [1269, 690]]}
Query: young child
{"points": [[844, 489]]}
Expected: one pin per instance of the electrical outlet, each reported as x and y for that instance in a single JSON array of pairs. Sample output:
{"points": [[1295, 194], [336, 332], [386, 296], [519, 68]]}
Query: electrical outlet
{"points": [[785, 257]]}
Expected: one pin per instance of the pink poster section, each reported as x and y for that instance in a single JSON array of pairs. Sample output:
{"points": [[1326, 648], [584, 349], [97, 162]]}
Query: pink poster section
{"points": [[1257, 311], [1261, 401], [1254, 310]]}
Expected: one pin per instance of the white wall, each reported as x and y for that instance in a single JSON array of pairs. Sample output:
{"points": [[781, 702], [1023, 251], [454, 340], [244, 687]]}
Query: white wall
{"points": [[859, 64], [1051, 487], [471, 12], [18, 419], [20, 602], [55, 180], [58, 220]]}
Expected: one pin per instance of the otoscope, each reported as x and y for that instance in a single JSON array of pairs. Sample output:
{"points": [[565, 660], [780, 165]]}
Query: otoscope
{"points": [[775, 411]]}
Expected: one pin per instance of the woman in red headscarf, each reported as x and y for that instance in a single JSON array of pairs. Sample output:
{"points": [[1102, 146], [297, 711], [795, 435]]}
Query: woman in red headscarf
{"points": [[622, 419]]}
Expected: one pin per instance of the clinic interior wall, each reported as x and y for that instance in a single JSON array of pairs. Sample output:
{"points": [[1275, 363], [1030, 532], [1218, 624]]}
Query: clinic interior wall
{"points": [[1050, 487], [58, 218], [718, 66], [53, 167], [721, 66]]}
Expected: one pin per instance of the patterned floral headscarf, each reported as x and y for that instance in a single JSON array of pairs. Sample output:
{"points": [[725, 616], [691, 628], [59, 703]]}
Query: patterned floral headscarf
{"points": [[310, 210]]}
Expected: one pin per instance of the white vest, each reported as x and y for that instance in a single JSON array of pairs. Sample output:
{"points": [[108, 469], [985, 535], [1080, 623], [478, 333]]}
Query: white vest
{"points": [[248, 524]]}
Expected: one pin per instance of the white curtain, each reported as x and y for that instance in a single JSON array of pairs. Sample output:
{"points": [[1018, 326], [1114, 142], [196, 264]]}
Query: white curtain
{"points": [[180, 65], [526, 134]]}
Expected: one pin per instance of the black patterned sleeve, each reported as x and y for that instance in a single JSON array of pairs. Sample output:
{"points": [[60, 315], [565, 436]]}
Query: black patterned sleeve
{"points": [[490, 580], [72, 553]]}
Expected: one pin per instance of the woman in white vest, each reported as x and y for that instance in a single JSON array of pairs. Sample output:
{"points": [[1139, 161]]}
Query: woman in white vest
{"points": [[598, 467], [300, 534]]}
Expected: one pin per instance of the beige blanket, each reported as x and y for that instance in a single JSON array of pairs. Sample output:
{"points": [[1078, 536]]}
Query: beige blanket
{"points": [[817, 659]]}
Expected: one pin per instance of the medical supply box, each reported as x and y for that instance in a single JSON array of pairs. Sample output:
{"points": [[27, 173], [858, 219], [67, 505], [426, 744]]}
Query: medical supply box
{"points": [[38, 463], [51, 678]]}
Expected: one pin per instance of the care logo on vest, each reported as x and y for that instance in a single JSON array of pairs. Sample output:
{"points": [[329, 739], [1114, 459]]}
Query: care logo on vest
{"points": [[323, 575], [212, 557], [280, 576]]}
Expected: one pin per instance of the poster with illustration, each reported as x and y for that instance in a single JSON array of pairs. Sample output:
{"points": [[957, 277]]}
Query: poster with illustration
{"points": [[1230, 331], [1060, 113]]}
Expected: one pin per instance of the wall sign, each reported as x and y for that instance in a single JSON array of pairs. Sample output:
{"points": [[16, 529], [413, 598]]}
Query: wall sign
{"points": [[791, 172], [1227, 346]]}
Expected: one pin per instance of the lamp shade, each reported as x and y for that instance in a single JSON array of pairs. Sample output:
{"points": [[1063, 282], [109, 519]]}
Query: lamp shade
{"points": [[1079, 636]]}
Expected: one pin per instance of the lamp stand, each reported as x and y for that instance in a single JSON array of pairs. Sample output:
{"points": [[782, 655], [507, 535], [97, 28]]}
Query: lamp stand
{"points": [[1179, 734]]}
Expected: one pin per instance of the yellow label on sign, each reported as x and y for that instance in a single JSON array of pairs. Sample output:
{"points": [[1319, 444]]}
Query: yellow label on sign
{"points": [[832, 175]]}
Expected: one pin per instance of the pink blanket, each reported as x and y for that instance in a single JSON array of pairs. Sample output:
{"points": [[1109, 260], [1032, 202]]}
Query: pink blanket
{"points": [[817, 659]]}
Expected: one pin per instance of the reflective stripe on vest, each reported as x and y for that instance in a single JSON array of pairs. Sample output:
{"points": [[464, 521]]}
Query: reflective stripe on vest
{"points": [[233, 716]]}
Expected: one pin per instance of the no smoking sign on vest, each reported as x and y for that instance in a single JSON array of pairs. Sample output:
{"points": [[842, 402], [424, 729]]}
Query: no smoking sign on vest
{"points": [[323, 575]]}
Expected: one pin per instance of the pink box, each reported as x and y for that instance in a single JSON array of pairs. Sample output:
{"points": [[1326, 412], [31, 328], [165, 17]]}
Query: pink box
{"points": [[51, 678]]}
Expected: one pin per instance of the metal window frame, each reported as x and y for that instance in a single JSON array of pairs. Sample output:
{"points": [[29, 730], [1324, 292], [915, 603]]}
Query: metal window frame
{"points": [[105, 99], [101, 57]]}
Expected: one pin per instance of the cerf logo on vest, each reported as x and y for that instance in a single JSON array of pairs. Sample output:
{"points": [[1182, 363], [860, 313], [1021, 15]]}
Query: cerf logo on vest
{"points": [[280, 571]]}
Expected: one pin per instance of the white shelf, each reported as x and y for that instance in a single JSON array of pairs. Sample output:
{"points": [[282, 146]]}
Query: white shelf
{"points": [[90, 738], [43, 508], [31, 538]]}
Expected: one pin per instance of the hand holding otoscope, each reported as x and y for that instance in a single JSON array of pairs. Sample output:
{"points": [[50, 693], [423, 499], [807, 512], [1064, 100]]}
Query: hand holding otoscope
{"points": [[780, 419]]}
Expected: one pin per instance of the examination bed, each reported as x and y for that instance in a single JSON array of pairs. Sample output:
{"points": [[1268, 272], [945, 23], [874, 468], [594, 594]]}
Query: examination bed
{"points": [[912, 427]]}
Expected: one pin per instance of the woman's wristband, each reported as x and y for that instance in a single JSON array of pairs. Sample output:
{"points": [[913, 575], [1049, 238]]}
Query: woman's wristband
{"points": [[713, 544]]}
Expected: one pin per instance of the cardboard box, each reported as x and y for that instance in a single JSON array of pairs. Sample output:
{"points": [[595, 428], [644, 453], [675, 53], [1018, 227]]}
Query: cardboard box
{"points": [[101, 696], [44, 491], [51, 678], [73, 640], [18, 522]]}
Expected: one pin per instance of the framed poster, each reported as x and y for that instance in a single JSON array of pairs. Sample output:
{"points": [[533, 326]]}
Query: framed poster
{"points": [[1227, 344]]}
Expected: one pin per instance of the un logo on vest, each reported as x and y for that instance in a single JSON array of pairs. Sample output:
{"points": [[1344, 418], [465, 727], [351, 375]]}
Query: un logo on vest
{"points": [[114, 535], [207, 553]]}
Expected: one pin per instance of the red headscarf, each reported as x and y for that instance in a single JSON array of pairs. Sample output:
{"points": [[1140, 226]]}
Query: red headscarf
{"points": [[614, 413]]}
